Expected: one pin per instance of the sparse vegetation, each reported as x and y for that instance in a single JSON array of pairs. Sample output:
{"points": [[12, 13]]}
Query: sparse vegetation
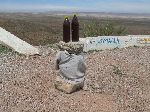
{"points": [[119, 80], [4, 49], [44, 29], [95, 29], [53, 46], [117, 71], [92, 51]]}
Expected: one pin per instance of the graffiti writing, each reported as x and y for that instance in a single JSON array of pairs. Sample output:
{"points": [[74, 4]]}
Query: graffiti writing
{"points": [[105, 41], [143, 41]]}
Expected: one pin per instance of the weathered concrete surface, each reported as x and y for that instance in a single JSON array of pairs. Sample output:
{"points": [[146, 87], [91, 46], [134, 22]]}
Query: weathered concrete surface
{"points": [[111, 42], [16, 44], [142, 39], [71, 47]]}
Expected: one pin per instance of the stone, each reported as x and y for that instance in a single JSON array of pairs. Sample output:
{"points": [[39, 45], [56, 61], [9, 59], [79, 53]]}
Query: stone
{"points": [[67, 87], [9, 40], [71, 47]]}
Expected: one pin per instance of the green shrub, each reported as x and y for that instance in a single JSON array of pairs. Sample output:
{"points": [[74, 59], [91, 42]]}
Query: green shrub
{"points": [[4, 49], [94, 29]]}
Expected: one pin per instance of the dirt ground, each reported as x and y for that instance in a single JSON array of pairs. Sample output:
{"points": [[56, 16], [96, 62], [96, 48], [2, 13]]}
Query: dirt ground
{"points": [[116, 81]]}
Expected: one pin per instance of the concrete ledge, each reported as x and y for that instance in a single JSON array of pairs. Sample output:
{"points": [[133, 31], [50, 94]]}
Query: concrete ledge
{"points": [[16, 44], [111, 42]]}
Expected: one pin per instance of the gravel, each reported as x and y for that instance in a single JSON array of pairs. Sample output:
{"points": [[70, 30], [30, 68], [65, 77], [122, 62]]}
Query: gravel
{"points": [[117, 81]]}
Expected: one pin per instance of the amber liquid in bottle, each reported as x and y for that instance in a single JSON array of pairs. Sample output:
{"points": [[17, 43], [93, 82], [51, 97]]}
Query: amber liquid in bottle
{"points": [[75, 29], [66, 30]]}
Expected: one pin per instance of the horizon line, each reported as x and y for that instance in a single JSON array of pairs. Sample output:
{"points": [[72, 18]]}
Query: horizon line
{"points": [[66, 11]]}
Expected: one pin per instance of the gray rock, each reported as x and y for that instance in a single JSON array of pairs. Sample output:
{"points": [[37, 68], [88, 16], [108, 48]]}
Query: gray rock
{"points": [[71, 73]]}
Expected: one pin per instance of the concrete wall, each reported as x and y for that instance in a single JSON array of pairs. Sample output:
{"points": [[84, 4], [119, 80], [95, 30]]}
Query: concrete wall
{"points": [[111, 42], [16, 44]]}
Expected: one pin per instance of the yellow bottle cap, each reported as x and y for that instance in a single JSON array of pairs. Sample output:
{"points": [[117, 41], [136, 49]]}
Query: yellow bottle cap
{"points": [[66, 17]]}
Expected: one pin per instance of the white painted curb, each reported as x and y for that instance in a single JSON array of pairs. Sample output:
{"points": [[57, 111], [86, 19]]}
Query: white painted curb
{"points": [[111, 42], [16, 44]]}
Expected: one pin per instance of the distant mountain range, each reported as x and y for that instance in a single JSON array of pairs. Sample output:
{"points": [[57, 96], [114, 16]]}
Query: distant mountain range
{"points": [[87, 14], [104, 14]]}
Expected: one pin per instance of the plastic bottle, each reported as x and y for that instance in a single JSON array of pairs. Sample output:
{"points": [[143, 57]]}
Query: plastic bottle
{"points": [[75, 29], [66, 30]]}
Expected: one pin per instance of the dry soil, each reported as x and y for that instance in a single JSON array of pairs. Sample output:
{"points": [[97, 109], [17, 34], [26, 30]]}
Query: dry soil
{"points": [[116, 81]]}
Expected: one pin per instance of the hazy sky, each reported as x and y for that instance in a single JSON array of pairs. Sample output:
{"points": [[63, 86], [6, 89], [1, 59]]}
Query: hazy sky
{"points": [[125, 6]]}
